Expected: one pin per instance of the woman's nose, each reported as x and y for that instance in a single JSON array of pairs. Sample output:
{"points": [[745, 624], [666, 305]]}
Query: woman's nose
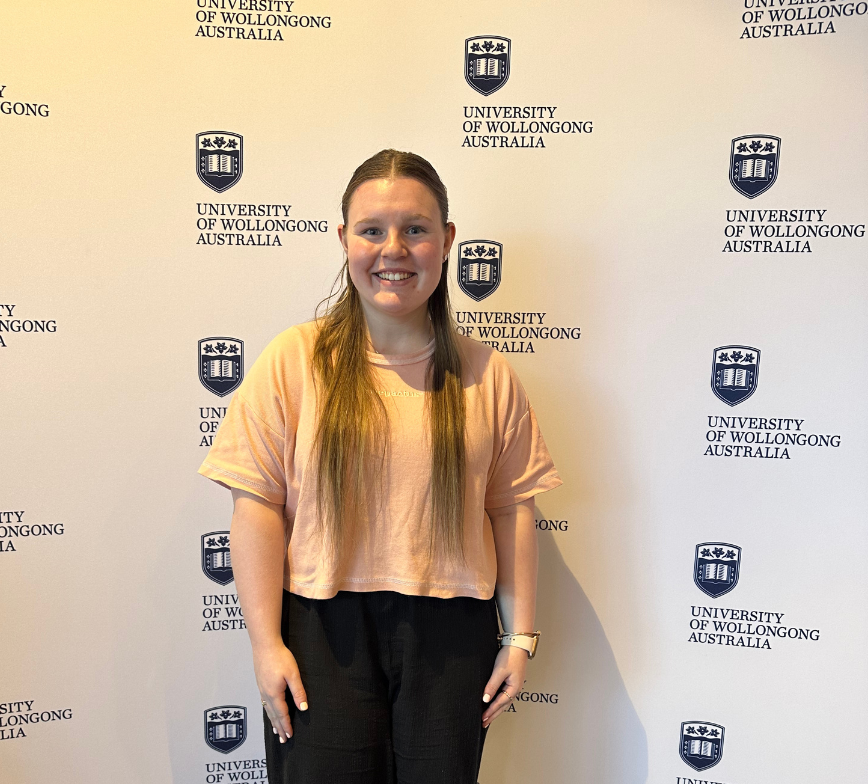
{"points": [[394, 246]]}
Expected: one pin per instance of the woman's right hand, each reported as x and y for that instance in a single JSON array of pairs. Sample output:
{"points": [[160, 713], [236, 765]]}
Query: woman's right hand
{"points": [[258, 554], [276, 669]]}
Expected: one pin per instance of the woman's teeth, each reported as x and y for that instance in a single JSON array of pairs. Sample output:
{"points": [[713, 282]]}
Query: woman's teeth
{"points": [[393, 275]]}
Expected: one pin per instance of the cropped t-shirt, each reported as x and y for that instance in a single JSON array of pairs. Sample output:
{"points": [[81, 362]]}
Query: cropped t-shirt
{"points": [[265, 442]]}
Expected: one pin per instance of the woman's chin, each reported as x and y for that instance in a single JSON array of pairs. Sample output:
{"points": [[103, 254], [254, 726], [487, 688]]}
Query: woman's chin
{"points": [[395, 305]]}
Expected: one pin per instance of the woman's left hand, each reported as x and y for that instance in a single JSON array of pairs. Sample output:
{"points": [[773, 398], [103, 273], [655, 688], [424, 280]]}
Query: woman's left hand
{"points": [[506, 681]]}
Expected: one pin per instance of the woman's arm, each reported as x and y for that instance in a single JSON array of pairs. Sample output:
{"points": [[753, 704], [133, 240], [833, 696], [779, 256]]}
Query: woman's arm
{"points": [[515, 540], [258, 551]]}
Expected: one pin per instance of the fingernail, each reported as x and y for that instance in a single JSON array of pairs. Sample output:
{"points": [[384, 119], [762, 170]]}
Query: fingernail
{"points": [[486, 698], [274, 730], [303, 706], [282, 740]]}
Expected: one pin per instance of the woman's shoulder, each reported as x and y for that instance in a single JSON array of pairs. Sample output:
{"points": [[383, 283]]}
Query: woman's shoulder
{"points": [[305, 333], [497, 382], [474, 351], [298, 339], [283, 363], [486, 363]]}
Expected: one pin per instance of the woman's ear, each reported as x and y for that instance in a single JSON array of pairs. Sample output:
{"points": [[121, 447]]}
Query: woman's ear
{"points": [[450, 238], [342, 236]]}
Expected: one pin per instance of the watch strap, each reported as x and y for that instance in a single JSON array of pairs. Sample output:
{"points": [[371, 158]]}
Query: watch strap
{"points": [[525, 640]]}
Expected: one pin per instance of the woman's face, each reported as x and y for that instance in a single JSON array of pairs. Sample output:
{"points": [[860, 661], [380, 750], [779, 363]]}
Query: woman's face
{"points": [[395, 242]]}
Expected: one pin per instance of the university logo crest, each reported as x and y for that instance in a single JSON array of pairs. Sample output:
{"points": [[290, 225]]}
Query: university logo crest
{"points": [[221, 364], [753, 163], [216, 558], [701, 744], [734, 373], [219, 159], [479, 263], [225, 727], [486, 62], [715, 568]]}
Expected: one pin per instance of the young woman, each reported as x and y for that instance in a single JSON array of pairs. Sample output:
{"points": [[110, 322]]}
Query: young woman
{"points": [[383, 469]]}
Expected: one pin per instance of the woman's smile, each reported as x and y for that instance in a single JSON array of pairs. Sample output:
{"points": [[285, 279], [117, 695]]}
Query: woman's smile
{"points": [[394, 276]]}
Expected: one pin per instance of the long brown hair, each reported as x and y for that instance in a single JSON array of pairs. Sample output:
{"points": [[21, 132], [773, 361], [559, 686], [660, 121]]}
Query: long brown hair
{"points": [[351, 434]]}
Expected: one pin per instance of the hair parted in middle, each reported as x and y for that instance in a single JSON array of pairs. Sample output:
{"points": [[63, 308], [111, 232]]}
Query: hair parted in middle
{"points": [[352, 430]]}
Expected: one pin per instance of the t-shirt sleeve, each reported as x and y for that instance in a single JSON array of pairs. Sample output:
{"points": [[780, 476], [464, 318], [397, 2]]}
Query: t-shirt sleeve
{"points": [[523, 467], [248, 450]]}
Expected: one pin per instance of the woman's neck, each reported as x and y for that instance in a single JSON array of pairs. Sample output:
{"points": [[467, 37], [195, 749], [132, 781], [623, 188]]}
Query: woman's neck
{"points": [[399, 334]]}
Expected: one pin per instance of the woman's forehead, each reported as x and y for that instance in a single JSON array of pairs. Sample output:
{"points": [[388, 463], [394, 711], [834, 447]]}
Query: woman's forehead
{"points": [[404, 194]]}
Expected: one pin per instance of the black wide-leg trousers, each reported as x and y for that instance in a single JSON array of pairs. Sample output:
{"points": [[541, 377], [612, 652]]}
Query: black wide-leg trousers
{"points": [[394, 685]]}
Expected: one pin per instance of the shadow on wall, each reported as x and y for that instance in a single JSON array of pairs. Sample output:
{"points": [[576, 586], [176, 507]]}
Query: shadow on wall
{"points": [[575, 722]]}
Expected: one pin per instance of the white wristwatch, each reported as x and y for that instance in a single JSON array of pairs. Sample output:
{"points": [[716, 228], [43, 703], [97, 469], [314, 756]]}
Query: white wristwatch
{"points": [[526, 640]]}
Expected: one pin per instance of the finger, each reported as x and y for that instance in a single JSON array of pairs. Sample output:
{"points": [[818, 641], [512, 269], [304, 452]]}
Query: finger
{"points": [[269, 712], [299, 696], [487, 723], [497, 712], [500, 703], [281, 720], [275, 721], [493, 685], [278, 714]]}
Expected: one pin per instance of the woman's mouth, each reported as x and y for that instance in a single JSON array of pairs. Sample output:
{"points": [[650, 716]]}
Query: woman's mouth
{"points": [[384, 275]]}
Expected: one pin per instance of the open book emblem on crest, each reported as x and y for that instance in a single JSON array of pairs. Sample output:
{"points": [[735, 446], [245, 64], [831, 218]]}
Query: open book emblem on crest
{"points": [[225, 727], [715, 568], [479, 265], [734, 373], [486, 62], [219, 159], [753, 163], [216, 558], [701, 744], [221, 364]]}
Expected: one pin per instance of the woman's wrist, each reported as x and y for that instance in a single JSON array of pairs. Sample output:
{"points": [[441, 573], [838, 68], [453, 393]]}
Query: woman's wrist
{"points": [[527, 641], [264, 646]]}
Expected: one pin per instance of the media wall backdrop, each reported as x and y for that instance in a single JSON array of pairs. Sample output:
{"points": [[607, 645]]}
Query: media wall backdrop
{"points": [[661, 212]]}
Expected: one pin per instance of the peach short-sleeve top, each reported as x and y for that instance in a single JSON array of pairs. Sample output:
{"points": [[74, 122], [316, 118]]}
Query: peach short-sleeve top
{"points": [[265, 441]]}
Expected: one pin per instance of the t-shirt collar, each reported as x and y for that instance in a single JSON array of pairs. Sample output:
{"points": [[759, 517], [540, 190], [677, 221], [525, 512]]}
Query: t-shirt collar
{"points": [[402, 359]]}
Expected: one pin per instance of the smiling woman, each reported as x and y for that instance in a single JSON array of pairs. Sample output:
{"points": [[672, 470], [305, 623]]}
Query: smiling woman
{"points": [[396, 252], [383, 468], [396, 236]]}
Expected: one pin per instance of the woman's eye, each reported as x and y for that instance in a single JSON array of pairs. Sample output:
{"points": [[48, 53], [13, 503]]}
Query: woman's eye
{"points": [[371, 232], [415, 230]]}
